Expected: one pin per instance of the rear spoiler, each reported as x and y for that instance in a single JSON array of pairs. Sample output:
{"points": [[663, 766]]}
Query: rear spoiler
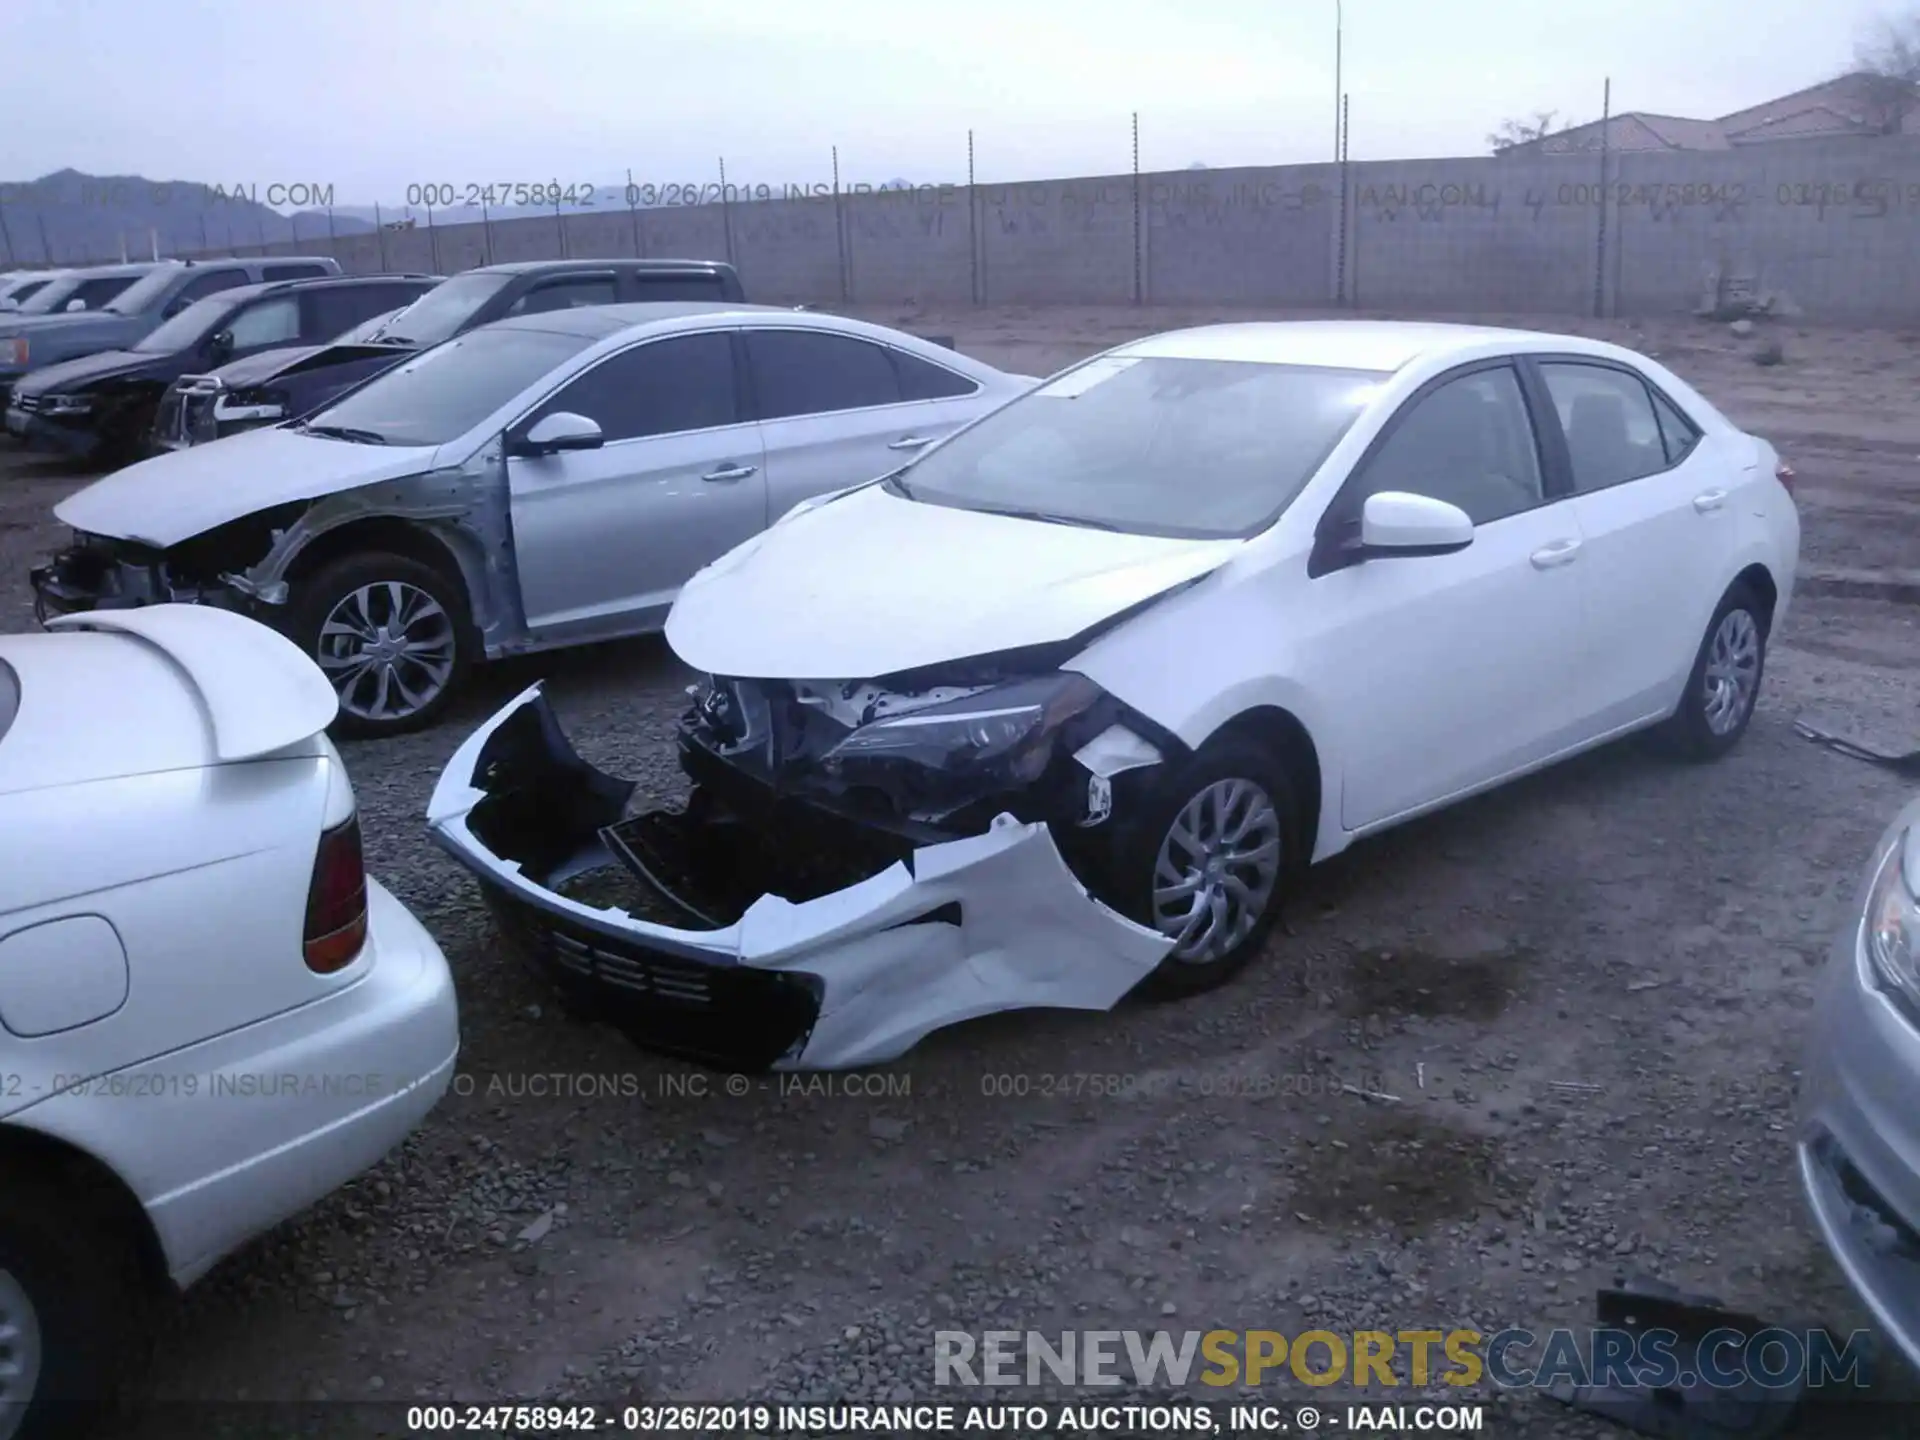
{"points": [[261, 694]]}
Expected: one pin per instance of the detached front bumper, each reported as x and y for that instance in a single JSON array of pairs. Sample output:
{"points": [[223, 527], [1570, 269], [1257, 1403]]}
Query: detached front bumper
{"points": [[856, 977], [82, 578]]}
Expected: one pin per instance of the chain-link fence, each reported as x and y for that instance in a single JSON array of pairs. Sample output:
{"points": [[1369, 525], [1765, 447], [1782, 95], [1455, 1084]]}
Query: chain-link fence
{"points": [[1824, 229]]}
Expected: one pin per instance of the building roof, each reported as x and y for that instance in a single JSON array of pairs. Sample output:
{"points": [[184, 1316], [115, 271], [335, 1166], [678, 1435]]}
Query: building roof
{"points": [[1853, 104]]}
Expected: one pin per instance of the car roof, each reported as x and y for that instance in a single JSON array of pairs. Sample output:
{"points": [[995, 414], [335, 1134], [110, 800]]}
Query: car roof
{"points": [[136, 268], [600, 321], [321, 282], [524, 267], [1378, 345]]}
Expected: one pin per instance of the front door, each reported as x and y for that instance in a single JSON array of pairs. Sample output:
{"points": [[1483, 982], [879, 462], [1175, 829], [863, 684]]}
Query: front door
{"points": [[604, 538], [1450, 671]]}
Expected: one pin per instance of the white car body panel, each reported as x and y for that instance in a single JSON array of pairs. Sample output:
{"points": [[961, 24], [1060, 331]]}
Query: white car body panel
{"points": [[174, 497], [173, 884], [1030, 936], [1419, 679]]}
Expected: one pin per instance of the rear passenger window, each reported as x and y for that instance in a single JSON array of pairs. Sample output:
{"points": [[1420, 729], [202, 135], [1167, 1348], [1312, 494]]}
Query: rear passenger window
{"points": [[654, 289], [1677, 433], [921, 380], [293, 272], [1607, 415], [565, 295], [805, 372]]}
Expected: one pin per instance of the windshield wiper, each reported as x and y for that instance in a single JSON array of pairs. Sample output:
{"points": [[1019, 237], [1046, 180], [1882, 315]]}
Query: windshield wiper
{"points": [[344, 432], [1047, 517]]}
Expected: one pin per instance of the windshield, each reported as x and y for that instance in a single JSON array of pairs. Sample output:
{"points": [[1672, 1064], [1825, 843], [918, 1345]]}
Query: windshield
{"points": [[189, 327], [145, 291], [20, 291], [54, 293], [1207, 449], [367, 329], [442, 394], [440, 313]]}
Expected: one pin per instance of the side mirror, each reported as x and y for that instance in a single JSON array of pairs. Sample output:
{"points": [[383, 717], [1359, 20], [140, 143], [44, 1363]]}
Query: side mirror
{"points": [[562, 430], [219, 346], [1394, 522], [73, 305]]}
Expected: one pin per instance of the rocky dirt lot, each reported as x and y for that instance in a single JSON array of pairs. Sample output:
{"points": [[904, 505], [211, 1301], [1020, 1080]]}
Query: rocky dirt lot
{"points": [[1585, 995]]}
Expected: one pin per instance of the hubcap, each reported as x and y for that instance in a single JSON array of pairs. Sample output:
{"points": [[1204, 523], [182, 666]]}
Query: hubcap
{"points": [[1216, 870], [19, 1353], [388, 648], [1733, 671]]}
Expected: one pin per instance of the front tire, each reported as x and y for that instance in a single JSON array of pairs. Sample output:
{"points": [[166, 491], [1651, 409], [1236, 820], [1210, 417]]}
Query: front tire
{"points": [[1207, 860], [393, 636], [73, 1314], [1717, 705]]}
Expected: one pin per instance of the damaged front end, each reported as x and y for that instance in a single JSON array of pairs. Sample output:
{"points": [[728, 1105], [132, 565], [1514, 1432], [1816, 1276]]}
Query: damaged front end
{"points": [[100, 572], [821, 902]]}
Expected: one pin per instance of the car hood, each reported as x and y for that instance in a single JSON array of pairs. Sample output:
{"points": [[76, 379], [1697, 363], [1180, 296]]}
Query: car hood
{"points": [[66, 376], [174, 497], [272, 364], [80, 321], [870, 584]]}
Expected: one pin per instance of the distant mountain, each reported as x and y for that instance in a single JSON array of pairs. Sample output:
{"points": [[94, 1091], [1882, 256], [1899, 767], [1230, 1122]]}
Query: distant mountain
{"points": [[68, 218]]}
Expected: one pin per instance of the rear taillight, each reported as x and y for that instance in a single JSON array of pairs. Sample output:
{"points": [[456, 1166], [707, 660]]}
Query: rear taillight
{"points": [[1783, 472], [337, 900]]}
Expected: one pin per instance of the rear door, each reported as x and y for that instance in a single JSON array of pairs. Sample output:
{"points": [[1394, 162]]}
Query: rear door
{"points": [[837, 409], [604, 538], [1659, 536]]}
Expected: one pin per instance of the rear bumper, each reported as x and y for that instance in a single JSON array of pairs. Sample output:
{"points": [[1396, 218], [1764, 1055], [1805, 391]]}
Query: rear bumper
{"points": [[960, 929]]}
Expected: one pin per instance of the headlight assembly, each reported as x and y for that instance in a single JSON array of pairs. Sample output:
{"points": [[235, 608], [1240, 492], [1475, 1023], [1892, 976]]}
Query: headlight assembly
{"points": [[1011, 725], [66, 405], [1891, 926]]}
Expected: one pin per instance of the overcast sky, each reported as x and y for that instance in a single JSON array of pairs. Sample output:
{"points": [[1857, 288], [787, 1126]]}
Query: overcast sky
{"points": [[372, 96]]}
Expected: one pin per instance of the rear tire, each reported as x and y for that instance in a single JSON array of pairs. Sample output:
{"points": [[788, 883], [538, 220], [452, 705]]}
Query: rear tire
{"points": [[1209, 859], [1724, 684], [75, 1312], [391, 633]]}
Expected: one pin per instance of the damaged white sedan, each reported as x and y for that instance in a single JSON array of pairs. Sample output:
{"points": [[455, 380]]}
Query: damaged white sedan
{"points": [[1060, 709]]}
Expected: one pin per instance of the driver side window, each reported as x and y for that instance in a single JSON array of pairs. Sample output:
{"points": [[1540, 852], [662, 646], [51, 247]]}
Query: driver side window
{"points": [[1470, 443], [269, 322]]}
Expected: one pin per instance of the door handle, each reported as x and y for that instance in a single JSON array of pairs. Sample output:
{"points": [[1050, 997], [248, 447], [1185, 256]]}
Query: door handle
{"points": [[911, 442], [1560, 552], [1709, 500], [730, 472]]}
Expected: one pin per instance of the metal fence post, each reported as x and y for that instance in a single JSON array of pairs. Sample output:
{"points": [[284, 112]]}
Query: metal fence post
{"points": [[1600, 254], [1346, 193], [726, 213], [973, 222], [633, 214], [840, 227], [1139, 289], [380, 234]]}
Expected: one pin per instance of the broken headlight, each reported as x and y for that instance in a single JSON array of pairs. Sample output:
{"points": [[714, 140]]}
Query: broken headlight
{"points": [[1892, 930], [1011, 726]]}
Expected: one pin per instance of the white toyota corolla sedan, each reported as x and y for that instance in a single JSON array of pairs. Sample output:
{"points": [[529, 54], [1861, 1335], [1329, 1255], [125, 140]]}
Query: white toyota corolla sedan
{"points": [[210, 1016], [1060, 708]]}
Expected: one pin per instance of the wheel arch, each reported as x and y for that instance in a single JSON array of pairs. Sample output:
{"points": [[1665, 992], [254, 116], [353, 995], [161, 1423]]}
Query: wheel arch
{"points": [[1287, 736], [1758, 578], [26, 1150]]}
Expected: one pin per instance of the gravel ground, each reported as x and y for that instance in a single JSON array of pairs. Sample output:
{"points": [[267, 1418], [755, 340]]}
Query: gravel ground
{"points": [[1586, 993]]}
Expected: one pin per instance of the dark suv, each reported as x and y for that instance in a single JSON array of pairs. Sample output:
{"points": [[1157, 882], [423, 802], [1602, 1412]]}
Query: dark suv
{"points": [[106, 404], [290, 383]]}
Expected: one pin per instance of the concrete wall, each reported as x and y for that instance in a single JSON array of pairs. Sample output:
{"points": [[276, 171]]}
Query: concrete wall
{"points": [[1831, 228]]}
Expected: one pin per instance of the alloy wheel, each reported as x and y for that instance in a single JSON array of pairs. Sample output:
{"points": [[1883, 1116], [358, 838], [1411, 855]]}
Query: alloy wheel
{"points": [[1732, 675], [388, 648], [1216, 870], [20, 1357]]}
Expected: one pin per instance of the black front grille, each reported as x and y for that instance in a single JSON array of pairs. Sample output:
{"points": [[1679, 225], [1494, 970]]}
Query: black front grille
{"points": [[729, 1016]]}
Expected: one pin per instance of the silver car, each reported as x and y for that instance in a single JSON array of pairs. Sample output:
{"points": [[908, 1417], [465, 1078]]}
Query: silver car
{"points": [[547, 480], [1859, 1140]]}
